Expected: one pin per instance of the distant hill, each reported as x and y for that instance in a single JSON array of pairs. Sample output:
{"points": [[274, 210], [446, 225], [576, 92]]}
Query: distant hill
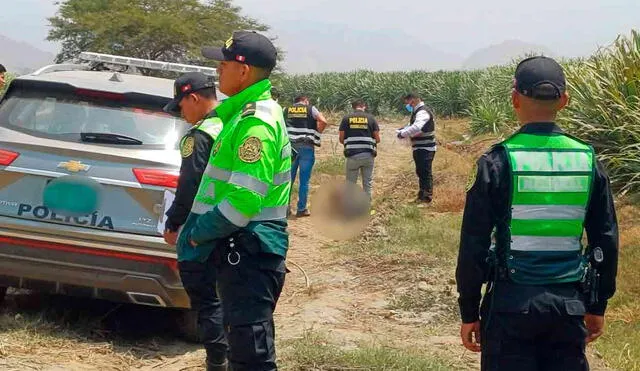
{"points": [[339, 48], [20, 58], [503, 53]]}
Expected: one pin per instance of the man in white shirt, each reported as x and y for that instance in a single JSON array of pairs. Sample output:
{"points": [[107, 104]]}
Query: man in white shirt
{"points": [[421, 131]]}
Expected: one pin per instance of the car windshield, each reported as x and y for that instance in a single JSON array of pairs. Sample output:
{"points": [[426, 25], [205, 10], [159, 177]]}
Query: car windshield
{"points": [[66, 116]]}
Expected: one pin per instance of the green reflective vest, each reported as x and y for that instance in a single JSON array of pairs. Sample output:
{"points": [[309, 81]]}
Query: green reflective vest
{"points": [[552, 176], [212, 126], [249, 171]]}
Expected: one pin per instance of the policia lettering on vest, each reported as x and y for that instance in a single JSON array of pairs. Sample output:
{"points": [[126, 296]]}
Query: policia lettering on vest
{"points": [[304, 125], [239, 212], [536, 193], [195, 99], [360, 134]]}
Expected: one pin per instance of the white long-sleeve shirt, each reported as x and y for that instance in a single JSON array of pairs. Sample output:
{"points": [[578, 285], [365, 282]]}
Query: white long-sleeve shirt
{"points": [[414, 129]]}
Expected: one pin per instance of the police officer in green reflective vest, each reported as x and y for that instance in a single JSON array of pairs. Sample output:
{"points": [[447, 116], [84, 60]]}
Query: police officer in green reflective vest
{"points": [[195, 100], [534, 195], [240, 210]]}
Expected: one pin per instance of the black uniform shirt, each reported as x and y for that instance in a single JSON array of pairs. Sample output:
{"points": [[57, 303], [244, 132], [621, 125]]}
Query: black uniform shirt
{"points": [[487, 203], [191, 170]]}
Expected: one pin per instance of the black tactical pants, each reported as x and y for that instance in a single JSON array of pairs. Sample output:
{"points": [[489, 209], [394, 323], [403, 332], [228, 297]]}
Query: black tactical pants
{"points": [[534, 341], [199, 281], [249, 284], [424, 161]]}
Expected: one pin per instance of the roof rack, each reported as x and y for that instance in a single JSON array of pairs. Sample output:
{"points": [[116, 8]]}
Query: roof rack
{"points": [[60, 67], [145, 63]]}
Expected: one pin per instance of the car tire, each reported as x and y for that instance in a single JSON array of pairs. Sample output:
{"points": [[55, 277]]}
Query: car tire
{"points": [[187, 325], [3, 294]]}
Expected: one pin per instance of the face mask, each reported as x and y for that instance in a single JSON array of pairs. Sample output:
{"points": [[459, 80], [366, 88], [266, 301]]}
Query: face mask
{"points": [[409, 108]]}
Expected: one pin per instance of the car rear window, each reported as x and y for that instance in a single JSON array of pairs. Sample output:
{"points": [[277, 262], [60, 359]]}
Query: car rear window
{"points": [[63, 115]]}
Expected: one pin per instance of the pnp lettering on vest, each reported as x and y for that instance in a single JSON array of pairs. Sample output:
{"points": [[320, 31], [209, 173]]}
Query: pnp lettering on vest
{"points": [[358, 135], [301, 126], [551, 184], [426, 139]]}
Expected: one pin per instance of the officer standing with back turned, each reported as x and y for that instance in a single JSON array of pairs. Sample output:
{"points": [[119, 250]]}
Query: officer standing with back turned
{"points": [[538, 191], [360, 134], [195, 99], [240, 210]]}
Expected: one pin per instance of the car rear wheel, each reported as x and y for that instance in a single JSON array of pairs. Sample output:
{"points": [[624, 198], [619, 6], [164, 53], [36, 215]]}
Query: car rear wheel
{"points": [[187, 325], [3, 293]]}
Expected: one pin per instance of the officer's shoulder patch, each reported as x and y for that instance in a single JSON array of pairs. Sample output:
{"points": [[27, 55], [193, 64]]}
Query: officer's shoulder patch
{"points": [[186, 149], [250, 150], [249, 110], [472, 177]]}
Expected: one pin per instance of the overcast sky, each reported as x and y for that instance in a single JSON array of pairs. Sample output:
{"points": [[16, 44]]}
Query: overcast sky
{"points": [[568, 27]]}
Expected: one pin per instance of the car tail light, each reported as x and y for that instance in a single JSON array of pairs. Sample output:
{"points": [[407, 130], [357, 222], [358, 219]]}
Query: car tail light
{"points": [[7, 157], [155, 177], [100, 94]]}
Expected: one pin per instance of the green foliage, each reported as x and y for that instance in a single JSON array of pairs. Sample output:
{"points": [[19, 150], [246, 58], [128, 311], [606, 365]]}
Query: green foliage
{"points": [[168, 30], [605, 108], [449, 93]]}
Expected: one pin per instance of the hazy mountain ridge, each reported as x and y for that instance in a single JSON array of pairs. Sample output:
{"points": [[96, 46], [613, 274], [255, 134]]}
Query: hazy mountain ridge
{"points": [[20, 57], [503, 53]]}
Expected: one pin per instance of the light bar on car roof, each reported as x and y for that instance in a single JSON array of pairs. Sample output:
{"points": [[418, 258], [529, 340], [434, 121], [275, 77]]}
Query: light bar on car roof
{"points": [[145, 63]]}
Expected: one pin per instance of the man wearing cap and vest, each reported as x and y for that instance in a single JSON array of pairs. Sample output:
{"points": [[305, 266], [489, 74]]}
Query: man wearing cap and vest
{"points": [[195, 99], [240, 211], [304, 125], [421, 131], [535, 194], [360, 134]]}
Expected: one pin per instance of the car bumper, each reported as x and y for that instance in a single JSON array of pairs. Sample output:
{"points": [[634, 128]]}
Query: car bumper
{"points": [[71, 269]]}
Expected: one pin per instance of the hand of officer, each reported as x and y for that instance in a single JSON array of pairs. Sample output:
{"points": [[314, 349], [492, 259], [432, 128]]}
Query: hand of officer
{"points": [[595, 326], [470, 334], [170, 237], [193, 243]]}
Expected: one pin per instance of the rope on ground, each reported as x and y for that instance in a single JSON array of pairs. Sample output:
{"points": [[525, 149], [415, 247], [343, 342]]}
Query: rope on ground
{"points": [[307, 281]]}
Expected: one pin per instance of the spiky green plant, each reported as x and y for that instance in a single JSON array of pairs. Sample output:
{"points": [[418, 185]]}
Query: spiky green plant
{"points": [[605, 108]]}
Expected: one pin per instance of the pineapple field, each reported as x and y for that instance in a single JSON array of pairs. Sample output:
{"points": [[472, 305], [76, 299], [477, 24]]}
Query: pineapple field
{"points": [[604, 108]]}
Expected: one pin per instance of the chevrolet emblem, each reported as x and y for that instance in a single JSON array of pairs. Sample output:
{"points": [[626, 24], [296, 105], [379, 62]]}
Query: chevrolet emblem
{"points": [[74, 166]]}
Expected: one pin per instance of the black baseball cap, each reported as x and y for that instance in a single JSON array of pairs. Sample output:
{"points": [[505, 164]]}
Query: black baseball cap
{"points": [[247, 47], [186, 84], [540, 78]]}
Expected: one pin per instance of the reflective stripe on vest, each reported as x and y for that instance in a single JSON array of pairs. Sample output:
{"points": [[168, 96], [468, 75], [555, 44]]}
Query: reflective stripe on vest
{"points": [[551, 183], [425, 141], [224, 173], [367, 143], [302, 134], [301, 126]]}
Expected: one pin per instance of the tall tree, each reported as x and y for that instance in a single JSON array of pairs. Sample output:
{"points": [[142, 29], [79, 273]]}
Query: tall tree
{"points": [[167, 30]]}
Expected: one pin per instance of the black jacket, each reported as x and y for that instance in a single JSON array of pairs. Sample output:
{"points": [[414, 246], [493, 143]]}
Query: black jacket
{"points": [[488, 201], [191, 170]]}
